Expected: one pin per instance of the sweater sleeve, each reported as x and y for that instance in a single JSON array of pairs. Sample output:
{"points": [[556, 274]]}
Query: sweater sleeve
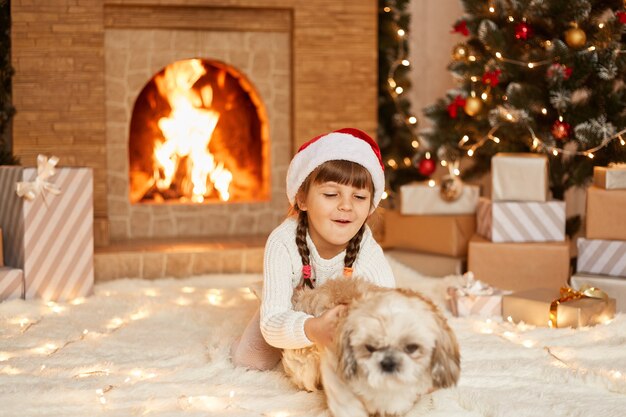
{"points": [[373, 264], [281, 326]]}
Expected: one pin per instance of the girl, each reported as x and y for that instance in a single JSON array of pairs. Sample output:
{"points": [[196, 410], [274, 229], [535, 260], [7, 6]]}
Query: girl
{"points": [[334, 183]]}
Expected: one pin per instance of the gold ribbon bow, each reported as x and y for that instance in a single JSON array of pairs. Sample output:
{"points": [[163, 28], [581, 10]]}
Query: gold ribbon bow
{"points": [[569, 294], [45, 169]]}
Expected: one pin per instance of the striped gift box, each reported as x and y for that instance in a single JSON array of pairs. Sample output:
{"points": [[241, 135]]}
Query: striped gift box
{"points": [[605, 257], [51, 236], [521, 221], [11, 283], [465, 305]]}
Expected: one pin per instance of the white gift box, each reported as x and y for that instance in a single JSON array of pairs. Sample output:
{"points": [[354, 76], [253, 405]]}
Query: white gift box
{"points": [[51, 234], [520, 221], [421, 198], [610, 178], [519, 177], [605, 257], [614, 287]]}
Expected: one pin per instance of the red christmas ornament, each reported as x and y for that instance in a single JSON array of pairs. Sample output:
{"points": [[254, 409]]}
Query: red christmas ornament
{"points": [[426, 167], [523, 31], [621, 16], [453, 107], [561, 130], [492, 78], [461, 28], [559, 70]]}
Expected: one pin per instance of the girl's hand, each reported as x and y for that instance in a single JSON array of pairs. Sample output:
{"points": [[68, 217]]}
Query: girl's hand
{"points": [[321, 330]]}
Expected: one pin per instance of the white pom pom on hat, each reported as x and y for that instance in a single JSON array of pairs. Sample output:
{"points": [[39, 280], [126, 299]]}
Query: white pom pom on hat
{"points": [[347, 144]]}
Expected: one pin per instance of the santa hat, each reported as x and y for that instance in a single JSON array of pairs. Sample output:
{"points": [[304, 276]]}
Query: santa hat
{"points": [[344, 144]]}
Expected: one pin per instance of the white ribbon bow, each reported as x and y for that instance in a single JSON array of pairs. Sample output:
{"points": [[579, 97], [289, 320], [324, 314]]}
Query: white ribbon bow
{"points": [[45, 169], [472, 286]]}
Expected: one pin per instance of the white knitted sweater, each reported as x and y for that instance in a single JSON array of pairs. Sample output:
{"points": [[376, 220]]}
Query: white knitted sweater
{"points": [[283, 327]]}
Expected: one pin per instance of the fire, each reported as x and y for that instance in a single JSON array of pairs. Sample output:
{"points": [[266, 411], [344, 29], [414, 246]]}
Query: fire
{"points": [[187, 132]]}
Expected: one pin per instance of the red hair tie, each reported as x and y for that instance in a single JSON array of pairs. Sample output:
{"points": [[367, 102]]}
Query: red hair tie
{"points": [[306, 276], [347, 272]]}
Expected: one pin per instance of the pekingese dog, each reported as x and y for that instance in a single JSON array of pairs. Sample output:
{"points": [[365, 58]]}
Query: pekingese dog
{"points": [[391, 347]]}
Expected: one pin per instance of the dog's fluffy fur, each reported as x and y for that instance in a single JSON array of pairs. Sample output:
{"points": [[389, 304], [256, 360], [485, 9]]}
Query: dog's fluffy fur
{"points": [[391, 347]]}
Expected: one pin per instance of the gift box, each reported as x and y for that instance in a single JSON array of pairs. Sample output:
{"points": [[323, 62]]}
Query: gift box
{"points": [[607, 257], [50, 228], [11, 283], [519, 266], [521, 221], [428, 264], [421, 198], [554, 308], [475, 298], [443, 235], [605, 214], [519, 177], [614, 287], [611, 177]]}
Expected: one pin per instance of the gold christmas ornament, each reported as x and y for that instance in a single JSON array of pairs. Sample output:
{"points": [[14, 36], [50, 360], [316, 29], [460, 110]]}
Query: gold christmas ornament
{"points": [[473, 106], [451, 188], [460, 52], [575, 37]]}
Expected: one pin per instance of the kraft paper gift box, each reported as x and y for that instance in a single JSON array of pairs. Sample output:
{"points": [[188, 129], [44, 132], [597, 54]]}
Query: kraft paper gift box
{"points": [[11, 283], [606, 257], [51, 235], [533, 307], [606, 214], [443, 234], [521, 221], [614, 287], [611, 177], [428, 264], [519, 177], [475, 298], [519, 266], [421, 198]]}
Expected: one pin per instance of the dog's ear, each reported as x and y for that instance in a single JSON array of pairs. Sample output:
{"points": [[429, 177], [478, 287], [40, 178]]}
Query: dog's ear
{"points": [[445, 361], [347, 361]]}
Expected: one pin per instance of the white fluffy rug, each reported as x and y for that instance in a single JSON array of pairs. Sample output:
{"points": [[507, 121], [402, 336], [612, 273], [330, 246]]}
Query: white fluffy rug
{"points": [[160, 348]]}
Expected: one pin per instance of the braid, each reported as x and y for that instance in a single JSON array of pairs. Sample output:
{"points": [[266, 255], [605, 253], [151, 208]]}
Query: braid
{"points": [[353, 248], [303, 248]]}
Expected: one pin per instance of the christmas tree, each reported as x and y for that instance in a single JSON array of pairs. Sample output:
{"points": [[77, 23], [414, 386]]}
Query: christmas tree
{"points": [[397, 127], [536, 76], [6, 71]]}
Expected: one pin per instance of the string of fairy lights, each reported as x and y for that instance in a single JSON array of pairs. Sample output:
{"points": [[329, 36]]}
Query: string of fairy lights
{"points": [[394, 90], [224, 398], [465, 143]]}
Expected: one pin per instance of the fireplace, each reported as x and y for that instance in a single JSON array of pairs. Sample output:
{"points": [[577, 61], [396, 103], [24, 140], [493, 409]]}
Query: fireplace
{"points": [[198, 134], [85, 76], [185, 104]]}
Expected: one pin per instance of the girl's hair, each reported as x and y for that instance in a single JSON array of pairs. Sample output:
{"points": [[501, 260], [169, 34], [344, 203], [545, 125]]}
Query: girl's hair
{"points": [[341, 172]]}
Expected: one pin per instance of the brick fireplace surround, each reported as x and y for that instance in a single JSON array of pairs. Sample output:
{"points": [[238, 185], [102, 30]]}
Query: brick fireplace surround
{"points": [[80, 64]]}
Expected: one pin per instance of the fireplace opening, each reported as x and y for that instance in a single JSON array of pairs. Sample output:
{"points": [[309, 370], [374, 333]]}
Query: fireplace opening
{"points": [[198, 134]]}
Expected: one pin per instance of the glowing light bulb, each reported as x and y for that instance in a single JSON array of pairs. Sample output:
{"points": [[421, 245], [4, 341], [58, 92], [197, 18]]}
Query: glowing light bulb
{"points": [[399, 90], [590, 155], [385, 195], [544, 111], [401, 32], [555, 152], [470, 152], [496, 139], [531, 65], [492, 9], [498, 55], [406, 62], [464, 139], [431, 183], [415, 144], [412, 120]]}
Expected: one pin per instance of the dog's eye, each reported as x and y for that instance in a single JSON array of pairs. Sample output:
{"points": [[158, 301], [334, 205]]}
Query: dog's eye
{"points": [[411, 347], [370, 348]]}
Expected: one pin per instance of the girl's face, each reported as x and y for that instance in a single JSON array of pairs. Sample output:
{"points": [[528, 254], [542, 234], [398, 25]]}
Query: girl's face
{"points": [[335, 212]]}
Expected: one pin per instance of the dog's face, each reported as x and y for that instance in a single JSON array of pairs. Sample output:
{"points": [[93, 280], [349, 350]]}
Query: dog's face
{"points": [[397, 337]]}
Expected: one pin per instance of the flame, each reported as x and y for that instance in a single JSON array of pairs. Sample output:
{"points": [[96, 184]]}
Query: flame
{"points": [[187, 131]]}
